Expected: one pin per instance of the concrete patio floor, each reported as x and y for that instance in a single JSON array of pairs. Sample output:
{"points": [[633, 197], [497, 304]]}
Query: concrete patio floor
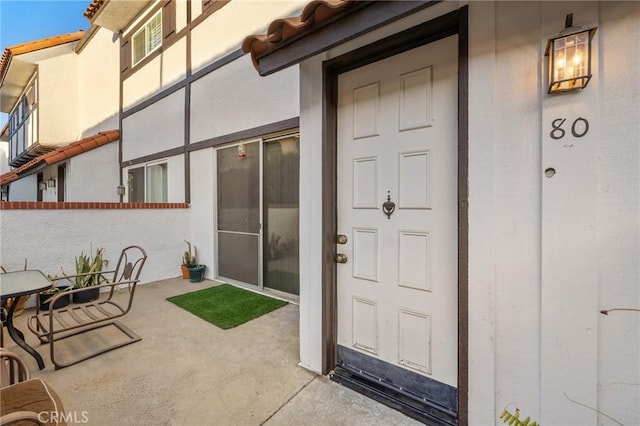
{"points": [[186, 371]]}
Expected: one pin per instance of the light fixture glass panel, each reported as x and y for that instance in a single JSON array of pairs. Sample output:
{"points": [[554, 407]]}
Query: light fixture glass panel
{"points": [[570, 64]]}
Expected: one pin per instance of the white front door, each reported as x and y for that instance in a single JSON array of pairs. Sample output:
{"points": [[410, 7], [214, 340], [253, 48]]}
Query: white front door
{"points": [[397, 141]]}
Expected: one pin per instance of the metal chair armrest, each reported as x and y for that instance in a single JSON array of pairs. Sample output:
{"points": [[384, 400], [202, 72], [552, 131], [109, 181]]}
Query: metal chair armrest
{"points": [[12, 418]]}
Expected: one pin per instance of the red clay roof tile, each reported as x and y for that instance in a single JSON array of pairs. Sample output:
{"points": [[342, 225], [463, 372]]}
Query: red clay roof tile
{"points": [[8, 177], [93, 8], [315, 14]]}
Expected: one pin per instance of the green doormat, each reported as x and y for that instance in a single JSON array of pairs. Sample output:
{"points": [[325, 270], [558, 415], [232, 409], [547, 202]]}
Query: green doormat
{"points": [[225, 305]]}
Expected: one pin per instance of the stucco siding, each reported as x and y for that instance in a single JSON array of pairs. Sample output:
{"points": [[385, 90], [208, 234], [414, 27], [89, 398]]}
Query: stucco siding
{"points": [[25, 189], [235, 98], [161, 72], [174, 60], [223, 32], [93, 176], [516, 96], [156, 128], [482, 215], [181, 14], [98, 84], [618, 211], [71, 231], [203, 216], [311, 214], [58, 100]]}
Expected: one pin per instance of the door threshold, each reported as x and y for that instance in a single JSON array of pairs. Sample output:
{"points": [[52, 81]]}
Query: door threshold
{"points": [[290, 298], [414, 395]]}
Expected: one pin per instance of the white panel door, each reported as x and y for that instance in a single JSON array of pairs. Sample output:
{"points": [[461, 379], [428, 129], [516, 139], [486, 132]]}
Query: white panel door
{"points": [[397, 139]]}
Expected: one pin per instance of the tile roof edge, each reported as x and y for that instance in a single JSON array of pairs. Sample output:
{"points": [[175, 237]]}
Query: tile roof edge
{"points": [[59, 154], [93, 9], [285, 30]]}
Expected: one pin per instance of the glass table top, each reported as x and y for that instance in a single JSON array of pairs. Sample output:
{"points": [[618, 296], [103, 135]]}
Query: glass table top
{"points": [[13, 284]]}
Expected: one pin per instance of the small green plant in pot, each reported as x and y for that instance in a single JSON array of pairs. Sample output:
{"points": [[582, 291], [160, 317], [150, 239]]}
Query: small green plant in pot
{"points": [[88, 268], [44, 297], [189, 259], [190, 262]]}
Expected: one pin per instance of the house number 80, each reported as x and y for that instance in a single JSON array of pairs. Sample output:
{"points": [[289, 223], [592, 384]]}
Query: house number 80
{"points": [[579, 128]]}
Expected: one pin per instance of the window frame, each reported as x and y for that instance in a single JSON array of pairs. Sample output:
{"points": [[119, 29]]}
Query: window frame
{"points": [[145, 184], [143, 29]]}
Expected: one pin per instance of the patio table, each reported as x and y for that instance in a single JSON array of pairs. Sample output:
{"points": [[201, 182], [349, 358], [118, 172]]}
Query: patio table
{"points": [[17, 284]]}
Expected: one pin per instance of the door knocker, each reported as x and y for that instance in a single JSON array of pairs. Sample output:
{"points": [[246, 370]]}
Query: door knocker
{"points": [[388, 207]]}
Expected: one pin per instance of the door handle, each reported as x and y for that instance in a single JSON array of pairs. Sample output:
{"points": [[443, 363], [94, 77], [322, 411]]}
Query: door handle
{"points": [[341, 258], [341, 239]]}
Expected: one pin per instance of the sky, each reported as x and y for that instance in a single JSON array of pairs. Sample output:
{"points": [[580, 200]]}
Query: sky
{"points": [[28, 20]]}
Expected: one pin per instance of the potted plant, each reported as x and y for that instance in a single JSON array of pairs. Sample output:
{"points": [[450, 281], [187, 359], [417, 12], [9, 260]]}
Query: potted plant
{"points": [[90, 266], [44, 297], [190, 262], [189, 259]]}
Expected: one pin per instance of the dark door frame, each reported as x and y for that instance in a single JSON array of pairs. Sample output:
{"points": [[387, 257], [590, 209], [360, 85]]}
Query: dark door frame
{"points": [[452, 23]]}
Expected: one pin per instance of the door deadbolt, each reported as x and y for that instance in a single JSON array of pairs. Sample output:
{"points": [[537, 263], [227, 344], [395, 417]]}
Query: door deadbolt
{"points": [[341, 258], [341, 239]]}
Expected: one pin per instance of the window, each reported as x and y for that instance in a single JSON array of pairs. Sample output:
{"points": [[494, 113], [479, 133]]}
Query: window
{"points": [[148, 38], [157, 183], [148, 183]]}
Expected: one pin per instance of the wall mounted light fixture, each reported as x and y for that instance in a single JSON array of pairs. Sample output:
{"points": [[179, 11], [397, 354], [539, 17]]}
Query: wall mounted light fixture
{"points": [[42, 186], [51, 182], [570, 58], [120, 189]]}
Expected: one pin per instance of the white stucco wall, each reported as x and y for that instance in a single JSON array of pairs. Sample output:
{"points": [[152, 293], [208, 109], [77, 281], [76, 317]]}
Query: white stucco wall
{"points": [[235, 97], [98, 84], [58, 99], [223, 31], [161, 72], [4, 157], [25, 189], [310, 242], [156, 128], [545, 255], [618, 210], [68, 232], [202, 208], [93, 175]]}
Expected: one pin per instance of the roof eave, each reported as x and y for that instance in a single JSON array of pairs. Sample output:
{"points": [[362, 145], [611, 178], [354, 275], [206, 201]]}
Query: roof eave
{"points": [[19, 62], [116, 15]]}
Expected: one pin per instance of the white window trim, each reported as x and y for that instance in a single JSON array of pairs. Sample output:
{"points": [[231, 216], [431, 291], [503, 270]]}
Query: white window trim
{"points": [[144, 29]]}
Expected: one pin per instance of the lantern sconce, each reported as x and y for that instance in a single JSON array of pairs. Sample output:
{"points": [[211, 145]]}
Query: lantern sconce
{"points": [[42, 186], [51, 182], [120, 189], [570, 58]]}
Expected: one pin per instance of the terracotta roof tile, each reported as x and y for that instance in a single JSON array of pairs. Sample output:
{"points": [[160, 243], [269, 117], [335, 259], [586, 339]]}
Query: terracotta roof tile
{"points": [[8, 177], [93, 8], [281, 31], [32, 46], [62, 153]]}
